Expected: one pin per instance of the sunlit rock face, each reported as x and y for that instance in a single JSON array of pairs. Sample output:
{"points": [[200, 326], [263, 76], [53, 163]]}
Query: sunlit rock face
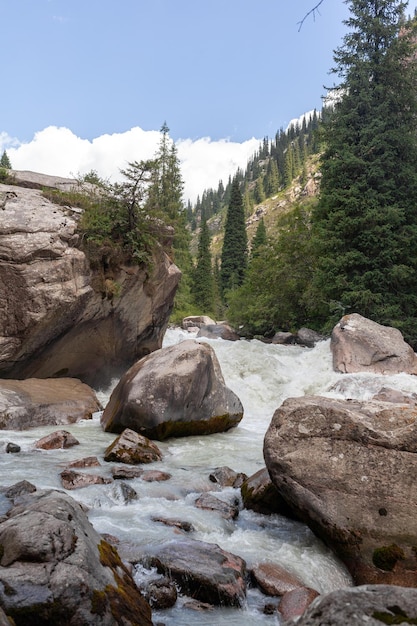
{"points": [[361, 345], [58, 317], [347, 468]]}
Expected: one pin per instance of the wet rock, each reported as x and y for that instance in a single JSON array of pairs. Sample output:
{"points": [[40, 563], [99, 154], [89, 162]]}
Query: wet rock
{"points": [[307, 337], [12, 448], [260, 494], [194, 605], [126, 472], [369, 604], [295, 602], [175, 523], [154, 476], [283, 338], [176, 391], [132, 448], [77, 480], [210, 503], [218, 331], [361, 345], [203, 571], [161, 593], [274, 580], [30, 403], [88, 461], [226, 477], [57, 440], [56, 569], [19, 489], [348, 469], [124, 492], [397, 397]]}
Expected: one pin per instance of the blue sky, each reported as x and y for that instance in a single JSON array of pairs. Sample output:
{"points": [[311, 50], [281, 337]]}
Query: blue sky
{"points": [[78, 74]]}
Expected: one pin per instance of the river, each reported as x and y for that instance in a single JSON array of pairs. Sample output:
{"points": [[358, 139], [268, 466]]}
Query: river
{"points": [[262, 375]]}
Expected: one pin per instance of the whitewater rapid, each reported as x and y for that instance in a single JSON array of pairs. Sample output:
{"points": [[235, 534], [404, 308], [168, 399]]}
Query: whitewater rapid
{"points": [[262, 375]]}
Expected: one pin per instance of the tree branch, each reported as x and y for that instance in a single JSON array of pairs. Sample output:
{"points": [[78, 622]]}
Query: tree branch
{"points": [[313, 12]]}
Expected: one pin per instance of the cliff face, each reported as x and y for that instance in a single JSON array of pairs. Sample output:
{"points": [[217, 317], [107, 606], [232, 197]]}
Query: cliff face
{"points": [[53, 322]]}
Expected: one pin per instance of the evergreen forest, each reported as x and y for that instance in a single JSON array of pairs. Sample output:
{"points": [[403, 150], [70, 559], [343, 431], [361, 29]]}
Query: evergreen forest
{"points": [[323, 221]]}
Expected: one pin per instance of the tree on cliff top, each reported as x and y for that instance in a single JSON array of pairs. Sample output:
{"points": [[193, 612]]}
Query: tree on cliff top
{"points": [[365, 223], [5, 161]]}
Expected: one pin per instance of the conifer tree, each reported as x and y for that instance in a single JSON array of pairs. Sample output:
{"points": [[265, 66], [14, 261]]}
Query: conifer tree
{"points": [[5, 161], [259, 238], [203, 282], [234, 251], [366, 221]]}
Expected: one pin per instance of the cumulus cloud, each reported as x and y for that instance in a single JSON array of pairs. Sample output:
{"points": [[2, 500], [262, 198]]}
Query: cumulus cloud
{"points": [[59, 152]]}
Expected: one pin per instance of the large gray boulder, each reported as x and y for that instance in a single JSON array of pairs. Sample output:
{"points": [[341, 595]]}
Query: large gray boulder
{"points": [[348, 469], [56, 569], [60, 317], [36, 402], [176, 391], [361, 345], [372, 605]]}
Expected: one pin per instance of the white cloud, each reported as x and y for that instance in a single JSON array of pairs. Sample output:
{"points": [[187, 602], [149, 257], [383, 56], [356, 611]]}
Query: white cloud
{"points": [[59, 152]]}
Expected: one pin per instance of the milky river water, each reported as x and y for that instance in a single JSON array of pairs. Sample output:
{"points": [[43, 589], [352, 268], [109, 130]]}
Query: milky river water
{"points": [[262, 375]]}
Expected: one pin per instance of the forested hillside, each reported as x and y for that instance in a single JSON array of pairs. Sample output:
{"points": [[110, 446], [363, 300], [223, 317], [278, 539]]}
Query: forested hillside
{"points": [[310, 259]]}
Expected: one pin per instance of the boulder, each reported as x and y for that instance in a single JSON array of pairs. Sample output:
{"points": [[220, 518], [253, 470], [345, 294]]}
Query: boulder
{"points": [[260, 494], [372, 605], [208, 502], [226, 477], [35, 402], [57, 440], [295, 602], [203, 571], [77, 480], [176, 391], [132, 448], [56, 569], [274, 580], [307, 337], [72, 323], [196, 321], [348, 470], [361, 345], [88, 461], [284, 338], [187, 527], [218, 331]]}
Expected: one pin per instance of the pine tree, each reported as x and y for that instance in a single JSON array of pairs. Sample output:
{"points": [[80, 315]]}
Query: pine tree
{"points": [[259, 238], [5, 161], [166, 192], [234, 251], [203, 282], [366, 221]]}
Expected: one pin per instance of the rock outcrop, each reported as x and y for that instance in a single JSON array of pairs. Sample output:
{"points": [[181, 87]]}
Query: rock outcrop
{"points": [[347, 468], [58, 316], [369, 604], [176, 391], [361, 345], [36, 402], [56, 569]]}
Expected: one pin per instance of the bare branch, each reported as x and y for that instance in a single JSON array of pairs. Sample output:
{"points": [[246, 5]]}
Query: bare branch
{"points": [[314, 11]]}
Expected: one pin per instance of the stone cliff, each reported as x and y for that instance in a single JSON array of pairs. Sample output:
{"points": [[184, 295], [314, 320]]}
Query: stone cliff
{"points": [[54, 319]]}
